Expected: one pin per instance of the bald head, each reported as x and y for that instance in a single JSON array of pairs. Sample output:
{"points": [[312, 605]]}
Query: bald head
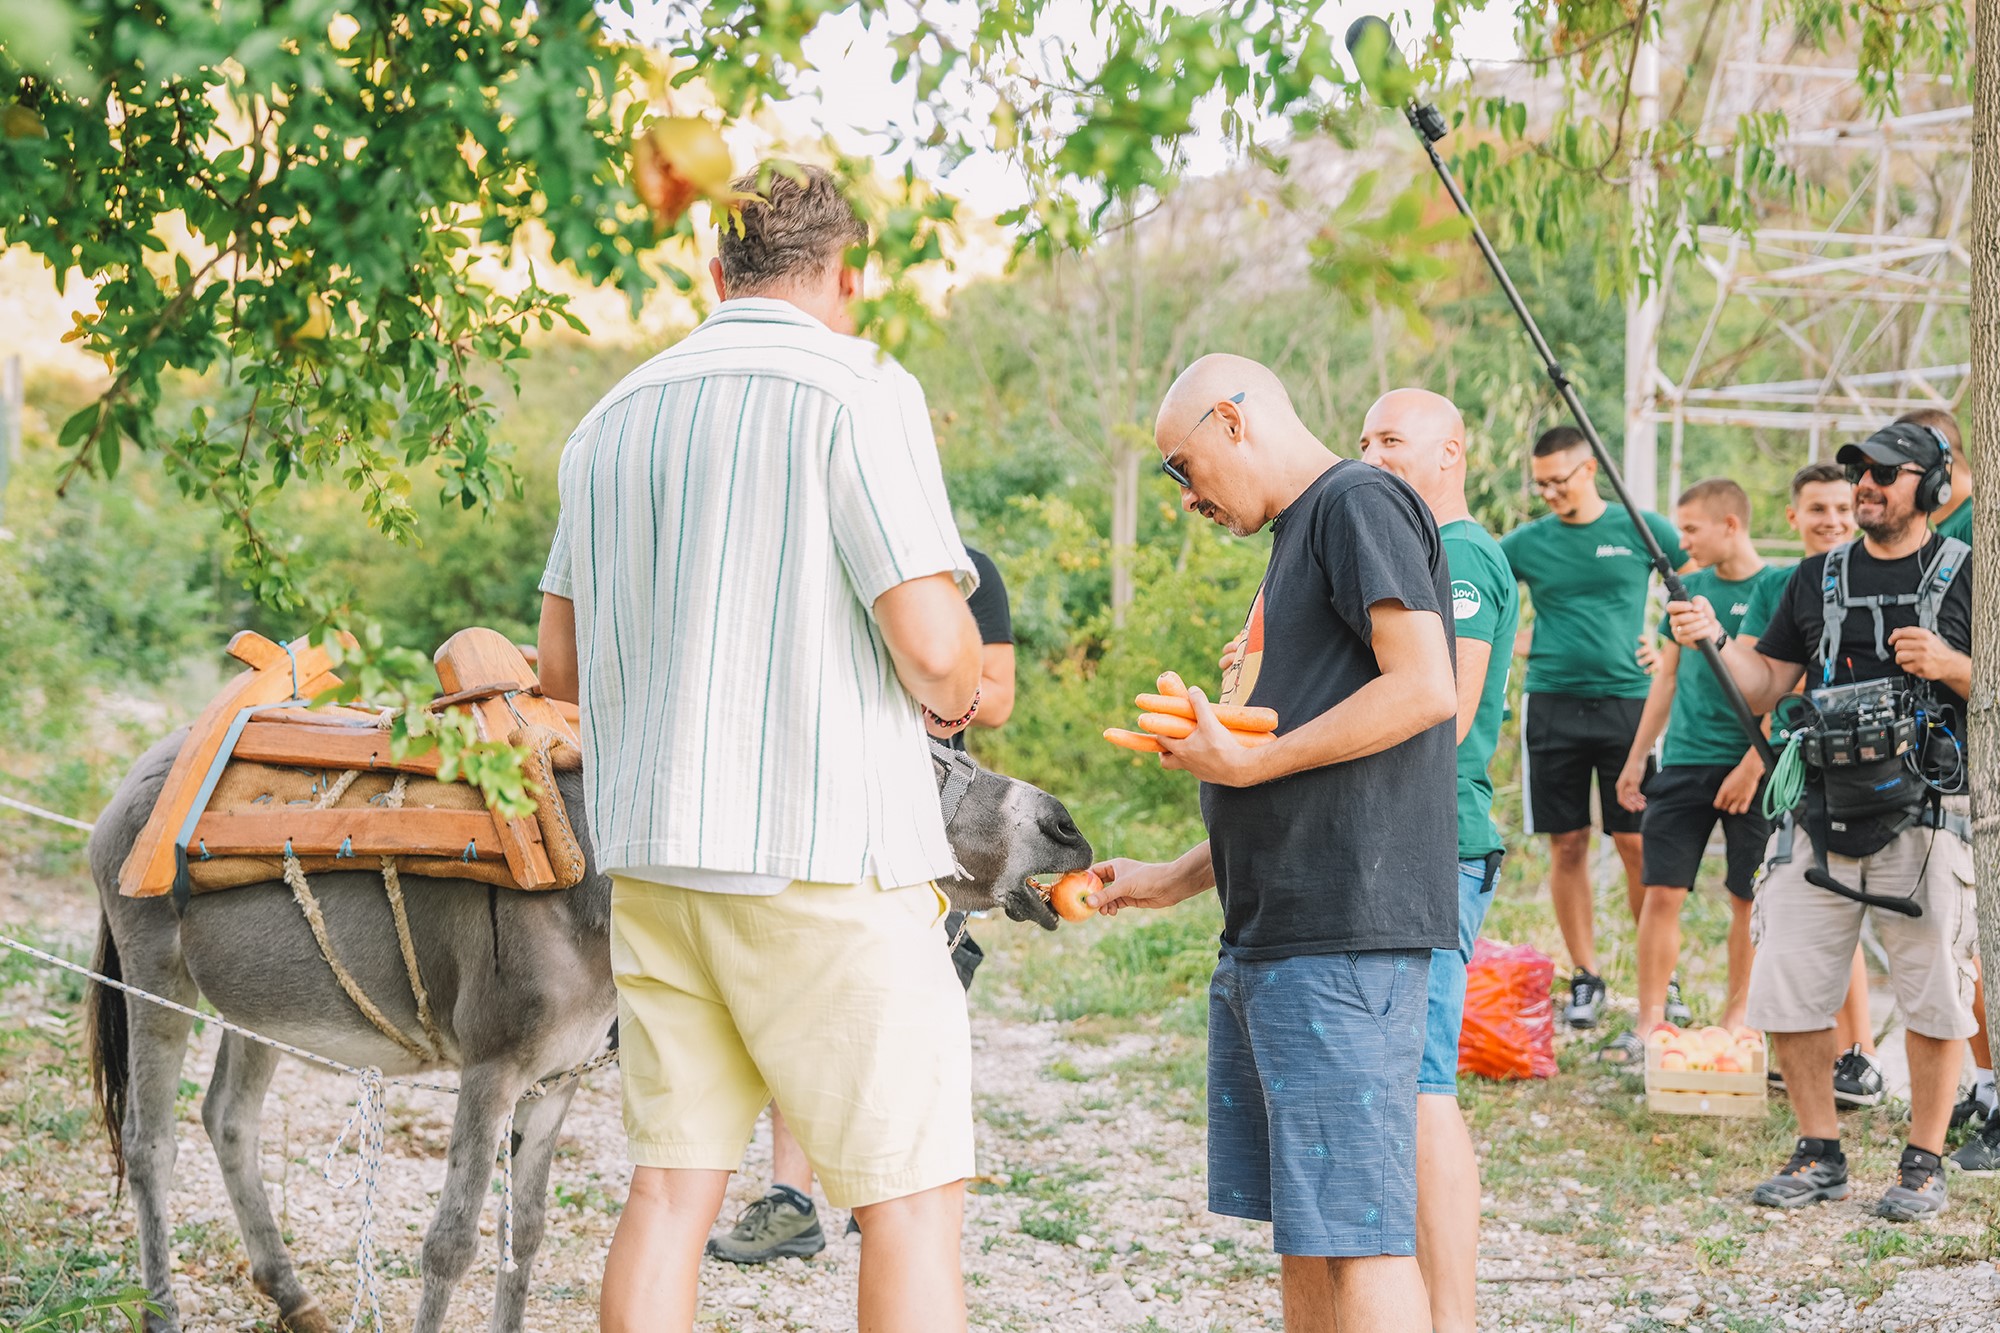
{"points": [[1230, 438], [1420, 436], [1213, 379]]}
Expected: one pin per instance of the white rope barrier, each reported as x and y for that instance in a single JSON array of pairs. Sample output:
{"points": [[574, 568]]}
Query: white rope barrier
{"points": [[40, 813]]}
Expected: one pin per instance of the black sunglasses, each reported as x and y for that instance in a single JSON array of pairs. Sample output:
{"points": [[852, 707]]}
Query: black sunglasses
{"points": [[1175, 474], [1882, 474]]}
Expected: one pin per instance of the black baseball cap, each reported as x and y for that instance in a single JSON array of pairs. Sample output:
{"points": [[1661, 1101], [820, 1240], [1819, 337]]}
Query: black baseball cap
{"points": [[1902, 442]]}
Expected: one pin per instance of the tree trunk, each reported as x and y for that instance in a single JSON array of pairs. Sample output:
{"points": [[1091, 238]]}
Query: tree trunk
{"points": [[1983, 403]]}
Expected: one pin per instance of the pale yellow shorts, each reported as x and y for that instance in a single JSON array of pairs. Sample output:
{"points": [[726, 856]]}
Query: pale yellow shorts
{"points": [[837, 1000]]}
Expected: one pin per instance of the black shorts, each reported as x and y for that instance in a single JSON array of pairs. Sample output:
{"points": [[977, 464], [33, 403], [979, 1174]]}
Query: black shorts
{"points": [[1680, 814], [1569, 738]]}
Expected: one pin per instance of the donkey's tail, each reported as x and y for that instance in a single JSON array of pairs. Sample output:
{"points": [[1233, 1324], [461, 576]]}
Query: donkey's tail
{"points": [[109, 1041]]}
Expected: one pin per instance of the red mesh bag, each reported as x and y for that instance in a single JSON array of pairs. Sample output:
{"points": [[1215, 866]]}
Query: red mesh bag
{"points": [[1510, 1020]]}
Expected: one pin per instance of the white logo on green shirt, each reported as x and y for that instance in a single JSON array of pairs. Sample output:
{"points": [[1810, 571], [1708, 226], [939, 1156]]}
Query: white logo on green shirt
{"points": [[1465, 601], [1608, 550]]}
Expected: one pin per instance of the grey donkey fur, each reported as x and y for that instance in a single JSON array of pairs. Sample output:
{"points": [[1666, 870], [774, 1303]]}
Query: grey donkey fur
{"points": [[519, 984]]}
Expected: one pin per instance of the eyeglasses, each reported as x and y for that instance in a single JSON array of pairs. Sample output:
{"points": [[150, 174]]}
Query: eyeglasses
{"points": [[1177, 476], [1557, 483], [1882, 474]]}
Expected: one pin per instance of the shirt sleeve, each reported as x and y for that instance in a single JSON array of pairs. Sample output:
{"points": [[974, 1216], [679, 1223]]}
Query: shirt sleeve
{"points": [[1376, 544], [885, 491], [1783, 638], [556, 579], [1668, 536], [988, 602], [1479, 583], [1763, 601]]}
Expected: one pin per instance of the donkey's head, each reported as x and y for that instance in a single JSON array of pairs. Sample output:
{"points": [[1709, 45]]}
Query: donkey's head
{"points": [[1003, 834]]}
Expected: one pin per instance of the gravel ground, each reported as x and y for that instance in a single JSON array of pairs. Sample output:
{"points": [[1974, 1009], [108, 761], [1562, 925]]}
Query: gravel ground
{"points": [[1090, 1215]]}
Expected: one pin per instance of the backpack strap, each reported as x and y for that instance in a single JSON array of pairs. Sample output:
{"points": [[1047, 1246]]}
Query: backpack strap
{"points": [[1833, 607], [1951, 557]]}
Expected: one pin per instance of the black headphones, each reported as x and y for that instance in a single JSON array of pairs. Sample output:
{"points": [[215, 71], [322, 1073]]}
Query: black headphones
{"points": [[1934, 486]]}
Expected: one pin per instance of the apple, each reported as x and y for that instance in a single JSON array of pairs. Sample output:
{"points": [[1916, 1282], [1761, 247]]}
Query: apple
{"points": [[1673, 1059], [677, 160], [1067, 895], [1727, 1064]]}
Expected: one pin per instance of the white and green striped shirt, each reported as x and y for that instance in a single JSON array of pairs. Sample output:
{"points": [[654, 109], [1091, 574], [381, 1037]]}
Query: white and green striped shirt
{"points": [[730, 513]]}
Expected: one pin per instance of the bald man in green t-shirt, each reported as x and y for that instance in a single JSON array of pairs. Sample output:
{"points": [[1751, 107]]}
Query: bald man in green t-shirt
{"points": [[1587, 572]]}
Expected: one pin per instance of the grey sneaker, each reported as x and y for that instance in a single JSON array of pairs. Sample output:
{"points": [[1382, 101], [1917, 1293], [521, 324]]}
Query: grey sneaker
{"points": [[1677, 1011], [1805, 1179], [1976, 1104], [1919, 1192], [1981, 1154], [1586, 998], [774, 1227], [1857, 1080]]}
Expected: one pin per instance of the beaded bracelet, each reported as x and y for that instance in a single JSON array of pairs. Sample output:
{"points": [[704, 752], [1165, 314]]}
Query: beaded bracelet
{"points": [[952, 724]]}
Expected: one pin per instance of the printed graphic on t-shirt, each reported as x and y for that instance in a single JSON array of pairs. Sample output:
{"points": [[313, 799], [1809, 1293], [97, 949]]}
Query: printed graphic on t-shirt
{"points": [[1241, 679], [1465, 601]]}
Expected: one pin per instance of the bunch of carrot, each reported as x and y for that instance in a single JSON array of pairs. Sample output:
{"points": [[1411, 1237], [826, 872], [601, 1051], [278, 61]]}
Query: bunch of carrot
{"points": [[1169, 714]]}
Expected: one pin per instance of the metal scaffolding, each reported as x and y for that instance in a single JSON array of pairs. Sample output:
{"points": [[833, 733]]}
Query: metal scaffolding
{"points": [[1843, 309]]}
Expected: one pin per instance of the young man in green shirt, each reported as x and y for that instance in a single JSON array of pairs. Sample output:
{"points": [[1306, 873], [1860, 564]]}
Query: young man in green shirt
{"points": [[1708, 770], [1420, 436], [1586, 571]]}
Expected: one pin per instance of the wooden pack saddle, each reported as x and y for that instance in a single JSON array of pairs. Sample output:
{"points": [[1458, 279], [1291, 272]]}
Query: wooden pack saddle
{"points": [[261, 776]]}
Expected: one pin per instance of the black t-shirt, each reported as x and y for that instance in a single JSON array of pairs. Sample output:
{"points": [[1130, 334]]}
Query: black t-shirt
{"points": [[988, 604], [1794, 632], [1361, 855]]}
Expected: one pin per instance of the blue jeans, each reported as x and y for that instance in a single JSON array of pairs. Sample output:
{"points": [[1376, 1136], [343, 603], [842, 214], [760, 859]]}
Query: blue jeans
{"points": [[1439, 1073], [1312, 1105]]}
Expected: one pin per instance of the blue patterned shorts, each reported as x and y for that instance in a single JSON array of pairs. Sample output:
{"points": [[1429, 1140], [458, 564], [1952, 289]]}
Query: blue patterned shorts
{"points": [[1312, 1098]]}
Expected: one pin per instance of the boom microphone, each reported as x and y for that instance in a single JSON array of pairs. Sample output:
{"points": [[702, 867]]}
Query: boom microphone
{"points": [[1381, 65]]}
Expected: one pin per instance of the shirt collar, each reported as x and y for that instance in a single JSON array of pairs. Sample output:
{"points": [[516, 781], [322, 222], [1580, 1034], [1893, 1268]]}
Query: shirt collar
{"points": [[762, 310]]}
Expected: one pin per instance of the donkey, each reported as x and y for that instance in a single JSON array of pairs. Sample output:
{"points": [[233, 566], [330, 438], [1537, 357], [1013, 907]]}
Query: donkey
{"points": [[519, 984]]}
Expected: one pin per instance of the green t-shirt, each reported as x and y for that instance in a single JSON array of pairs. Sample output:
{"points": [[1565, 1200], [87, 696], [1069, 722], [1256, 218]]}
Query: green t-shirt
{"points": [[1703, 728], [1589, 585], [1485, 605], [1763, 600], [1959, 524]]}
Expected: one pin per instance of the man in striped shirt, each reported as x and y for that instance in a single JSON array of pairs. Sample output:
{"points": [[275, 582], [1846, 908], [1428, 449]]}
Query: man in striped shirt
{"points": [[757, 594]]}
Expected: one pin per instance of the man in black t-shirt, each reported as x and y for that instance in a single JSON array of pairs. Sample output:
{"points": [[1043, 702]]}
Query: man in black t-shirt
{"points": [[1334, 849], [1806, 934]]}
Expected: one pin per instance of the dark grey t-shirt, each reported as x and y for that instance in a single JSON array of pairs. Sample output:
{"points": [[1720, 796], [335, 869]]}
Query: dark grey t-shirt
{"points": [[1361, 855]]}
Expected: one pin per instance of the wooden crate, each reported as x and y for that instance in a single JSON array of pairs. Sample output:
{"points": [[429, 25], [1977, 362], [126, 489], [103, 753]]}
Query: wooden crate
{"points": [[1704, 1092]]}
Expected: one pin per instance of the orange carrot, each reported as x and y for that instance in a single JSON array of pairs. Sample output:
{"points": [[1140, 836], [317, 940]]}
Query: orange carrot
{"points": [[1171, 683], [1179, 729], [1133, 740], [1233, 716]]}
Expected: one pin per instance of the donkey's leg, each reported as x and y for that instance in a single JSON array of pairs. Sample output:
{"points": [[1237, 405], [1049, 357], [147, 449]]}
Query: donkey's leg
{"points": [[537, 1124], [157, 1048], [233, 1113], [485, 1092]]}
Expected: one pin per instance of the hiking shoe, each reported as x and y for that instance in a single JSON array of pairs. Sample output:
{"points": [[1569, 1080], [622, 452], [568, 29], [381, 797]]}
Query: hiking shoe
{"points": [[1807, 1178], [1918, 1194], [1625, 1051], [772, 1228], [1586, 998], [1981, 1154], [1977, 1104], [1677, 1011], [1857, 1080]]}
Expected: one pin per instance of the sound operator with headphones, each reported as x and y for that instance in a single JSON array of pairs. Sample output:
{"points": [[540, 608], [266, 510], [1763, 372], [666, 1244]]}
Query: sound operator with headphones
{"points": [[1872, 776]]}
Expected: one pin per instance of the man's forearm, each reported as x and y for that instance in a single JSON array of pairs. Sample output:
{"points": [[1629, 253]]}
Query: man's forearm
{"points": [[1380, 715], [1958, 679], [1653, 718], [1763, 680], [1194, 871]]}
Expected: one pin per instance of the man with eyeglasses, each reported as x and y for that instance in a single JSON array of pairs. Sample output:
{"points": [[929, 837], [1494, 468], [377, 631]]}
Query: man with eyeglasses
{"points": [[1333, 849], [1586, 572], [1900, 603]]}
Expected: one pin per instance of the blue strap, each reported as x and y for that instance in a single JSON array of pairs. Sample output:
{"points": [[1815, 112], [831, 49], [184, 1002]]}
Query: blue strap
{"points": [[288, 847], [471, 852], [295, 669], [220, 762], [203, 844], [346, 847]]}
